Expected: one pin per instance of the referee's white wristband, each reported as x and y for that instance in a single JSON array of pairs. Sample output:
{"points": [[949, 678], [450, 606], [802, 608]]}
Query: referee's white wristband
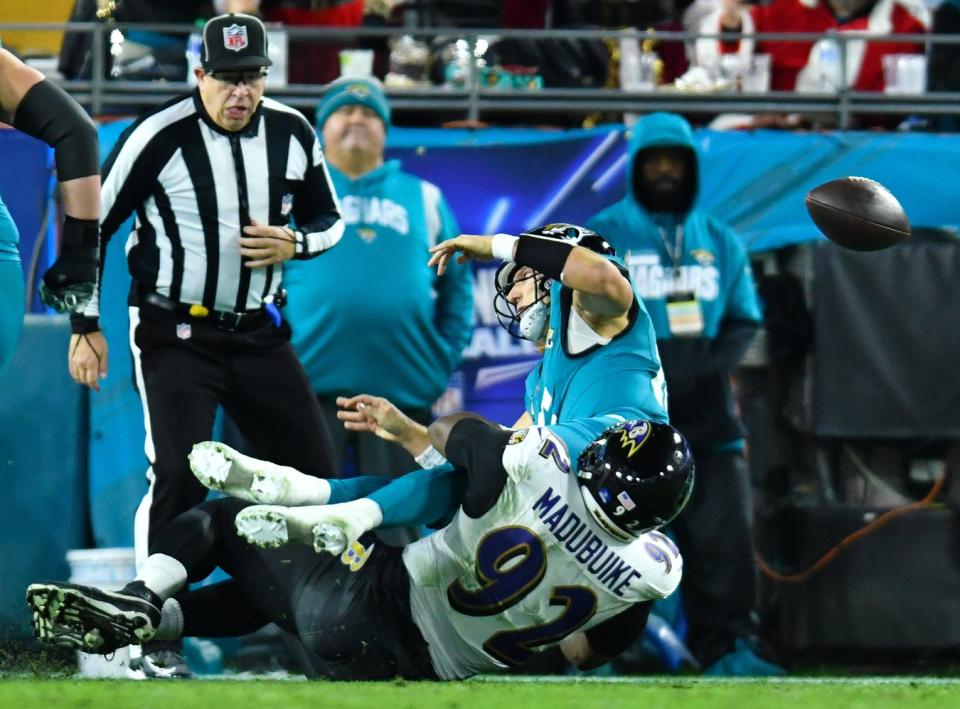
{"points": [[430, 458], [504, 246]]}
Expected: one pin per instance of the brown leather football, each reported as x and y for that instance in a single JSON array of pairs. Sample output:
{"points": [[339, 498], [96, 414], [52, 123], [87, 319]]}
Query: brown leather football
{"points": [[858, 213]]}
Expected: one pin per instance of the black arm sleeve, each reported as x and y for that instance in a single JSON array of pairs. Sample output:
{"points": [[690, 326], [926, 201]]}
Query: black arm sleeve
{"points": [[46, 112], [543, 254], [616, 634], [477, 447]]}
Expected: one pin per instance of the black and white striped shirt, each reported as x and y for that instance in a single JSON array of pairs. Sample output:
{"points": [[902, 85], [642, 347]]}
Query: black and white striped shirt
{"points": [[192, 185]]}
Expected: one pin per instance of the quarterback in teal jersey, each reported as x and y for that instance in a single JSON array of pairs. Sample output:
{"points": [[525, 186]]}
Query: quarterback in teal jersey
{"points": [[561, 287], [41, 109], [594, 362]]}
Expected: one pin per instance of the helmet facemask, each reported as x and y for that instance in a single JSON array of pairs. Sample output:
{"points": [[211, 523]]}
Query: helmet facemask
{"points": [[531, 322]]}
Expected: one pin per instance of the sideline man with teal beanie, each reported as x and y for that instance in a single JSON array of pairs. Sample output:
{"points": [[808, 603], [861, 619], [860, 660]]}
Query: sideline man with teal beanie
{"points": [[39, 108], [370, 316]]}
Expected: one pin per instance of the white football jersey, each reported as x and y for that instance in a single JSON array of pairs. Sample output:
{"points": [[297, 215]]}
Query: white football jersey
{"points": [[487, 593]]}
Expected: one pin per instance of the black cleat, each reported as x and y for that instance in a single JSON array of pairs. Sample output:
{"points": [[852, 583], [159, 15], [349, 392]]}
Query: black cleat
{"points": [[92, 619]]}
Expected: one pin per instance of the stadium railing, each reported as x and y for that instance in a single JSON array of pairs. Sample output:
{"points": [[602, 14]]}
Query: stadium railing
{"points": [[475, 102]]}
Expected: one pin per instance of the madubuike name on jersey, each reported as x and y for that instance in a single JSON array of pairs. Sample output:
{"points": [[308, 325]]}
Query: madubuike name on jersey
{"points": [[588, 549]]}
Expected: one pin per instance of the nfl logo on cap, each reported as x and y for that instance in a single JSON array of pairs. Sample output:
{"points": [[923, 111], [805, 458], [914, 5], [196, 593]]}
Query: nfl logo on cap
{"points": [[235, 37]]}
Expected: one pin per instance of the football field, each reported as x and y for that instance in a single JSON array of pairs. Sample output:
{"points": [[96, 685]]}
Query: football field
{"points": [[502, 693]]}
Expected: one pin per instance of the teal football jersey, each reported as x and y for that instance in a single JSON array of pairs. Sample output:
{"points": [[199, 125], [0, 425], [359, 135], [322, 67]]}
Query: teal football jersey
{"points": [[622, 377]]}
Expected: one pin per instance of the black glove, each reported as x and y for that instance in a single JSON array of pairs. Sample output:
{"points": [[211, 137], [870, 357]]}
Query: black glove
{"points": [[69, 283]]}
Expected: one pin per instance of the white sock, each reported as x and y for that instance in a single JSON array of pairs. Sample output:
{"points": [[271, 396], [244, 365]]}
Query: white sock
{"points": [[171, 621], [308, 490], [288, 486], [163, 575], [367, 511]]}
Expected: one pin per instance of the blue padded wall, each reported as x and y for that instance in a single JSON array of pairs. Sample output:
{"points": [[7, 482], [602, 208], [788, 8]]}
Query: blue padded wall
{"points": [[43, 457]]}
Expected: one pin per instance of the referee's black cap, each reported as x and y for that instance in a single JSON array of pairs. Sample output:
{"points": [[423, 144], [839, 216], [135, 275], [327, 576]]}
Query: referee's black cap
{"points": [[234, 42]]}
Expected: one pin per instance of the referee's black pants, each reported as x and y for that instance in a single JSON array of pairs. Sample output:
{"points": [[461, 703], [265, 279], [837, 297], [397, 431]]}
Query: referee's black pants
{"points": [[185, 367]]}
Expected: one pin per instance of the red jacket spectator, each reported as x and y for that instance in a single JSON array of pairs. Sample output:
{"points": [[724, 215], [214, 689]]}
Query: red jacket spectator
{"points": [[864, 66], [313, 61]]}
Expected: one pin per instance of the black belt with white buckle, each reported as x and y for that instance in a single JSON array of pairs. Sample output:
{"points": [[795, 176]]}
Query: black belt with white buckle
{"points": [[222, 319]]}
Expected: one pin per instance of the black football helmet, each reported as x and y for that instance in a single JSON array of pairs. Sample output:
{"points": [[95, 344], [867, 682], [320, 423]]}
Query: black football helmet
{"points": [[635, 477], [510, 319]]}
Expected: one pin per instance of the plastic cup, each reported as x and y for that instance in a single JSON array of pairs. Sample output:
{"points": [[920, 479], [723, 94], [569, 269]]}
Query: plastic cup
{"points": [[356, 62], [756, 75]]}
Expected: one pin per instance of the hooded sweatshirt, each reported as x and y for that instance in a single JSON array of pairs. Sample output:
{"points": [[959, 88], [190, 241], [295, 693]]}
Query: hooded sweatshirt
{"points": [[698, 262], [372, 317]]}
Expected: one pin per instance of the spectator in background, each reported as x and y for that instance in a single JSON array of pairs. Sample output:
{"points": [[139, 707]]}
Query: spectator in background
{"points": [[371, 316], [713, 16], [943, 69], [539, 14], [694, 277], [801, 65], [313, 61], [142, 55], [642, 15]]}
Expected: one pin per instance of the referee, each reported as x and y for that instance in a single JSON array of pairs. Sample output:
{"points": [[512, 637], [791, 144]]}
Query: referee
{"points": [[225, 186]]}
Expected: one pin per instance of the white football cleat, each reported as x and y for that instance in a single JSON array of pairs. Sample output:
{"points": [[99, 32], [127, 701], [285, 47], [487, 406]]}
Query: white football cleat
{"points": [[329, 538], [220, 467], [328, 528], [271, 526]]}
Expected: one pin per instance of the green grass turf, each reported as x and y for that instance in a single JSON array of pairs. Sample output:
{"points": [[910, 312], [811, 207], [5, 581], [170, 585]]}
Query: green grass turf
{"points": [[507, 694]]}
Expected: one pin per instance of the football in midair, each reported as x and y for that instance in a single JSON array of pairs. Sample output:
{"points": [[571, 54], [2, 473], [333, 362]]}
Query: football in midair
{"points": [[858, 213]]}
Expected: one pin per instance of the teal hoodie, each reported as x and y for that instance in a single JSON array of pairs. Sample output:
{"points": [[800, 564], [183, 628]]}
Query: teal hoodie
{"points": [[369, 316], [713, 265]]}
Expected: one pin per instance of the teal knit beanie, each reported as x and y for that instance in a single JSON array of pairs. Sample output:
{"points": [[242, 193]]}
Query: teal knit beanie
{"points": [[348, 90]]}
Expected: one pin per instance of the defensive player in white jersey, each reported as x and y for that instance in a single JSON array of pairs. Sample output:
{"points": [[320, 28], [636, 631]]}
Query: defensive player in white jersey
{"points": [[543, 550]]}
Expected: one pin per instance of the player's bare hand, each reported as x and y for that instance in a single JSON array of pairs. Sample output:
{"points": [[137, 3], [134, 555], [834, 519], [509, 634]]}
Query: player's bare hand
{"points": [[87, 359], [266, 245], [375, 414], [468, 246], [378, 415]]}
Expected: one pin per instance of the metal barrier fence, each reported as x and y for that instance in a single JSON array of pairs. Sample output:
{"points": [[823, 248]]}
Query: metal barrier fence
{"points": [[475, 102]]}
